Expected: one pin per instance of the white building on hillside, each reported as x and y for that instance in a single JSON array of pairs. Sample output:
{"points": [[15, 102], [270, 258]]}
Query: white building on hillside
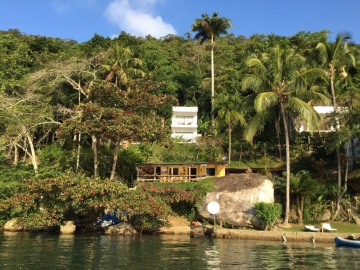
{"points": [[324, 125], [184, 123]]}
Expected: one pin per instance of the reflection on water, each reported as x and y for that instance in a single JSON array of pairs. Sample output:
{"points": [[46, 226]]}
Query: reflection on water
{"points": [[94, 251]]}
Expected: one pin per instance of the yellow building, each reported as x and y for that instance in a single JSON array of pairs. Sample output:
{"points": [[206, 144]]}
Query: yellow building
{"points": [[179, 172]]}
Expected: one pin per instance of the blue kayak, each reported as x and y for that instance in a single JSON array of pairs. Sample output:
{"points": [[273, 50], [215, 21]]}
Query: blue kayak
{"points": [[347, 242]]}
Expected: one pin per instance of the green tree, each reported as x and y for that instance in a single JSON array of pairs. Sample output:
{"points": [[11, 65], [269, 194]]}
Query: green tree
{"points": [[280, 80], [111, 114], [209, 29], [335, 57], [123, 66], [229, 113]]}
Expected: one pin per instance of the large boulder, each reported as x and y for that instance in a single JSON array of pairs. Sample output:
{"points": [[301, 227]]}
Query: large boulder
{"points": [[237, 195], [12, 226]]}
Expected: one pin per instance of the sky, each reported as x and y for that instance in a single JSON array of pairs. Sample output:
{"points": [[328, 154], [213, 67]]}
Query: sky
{"points": [[80, 20]]}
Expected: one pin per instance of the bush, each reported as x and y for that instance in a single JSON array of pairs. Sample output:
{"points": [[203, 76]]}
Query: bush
{"points": [[268, 212]]}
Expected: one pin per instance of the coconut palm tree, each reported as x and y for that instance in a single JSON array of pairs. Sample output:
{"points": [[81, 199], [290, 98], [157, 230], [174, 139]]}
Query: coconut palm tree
{"points": [[229, 113], [336, 57], [209, 29], [124, 65], [280, 83]]}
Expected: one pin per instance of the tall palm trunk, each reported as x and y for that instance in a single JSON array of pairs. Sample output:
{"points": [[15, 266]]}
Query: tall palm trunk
{"points": [[229, 150], [287, 146], [212, 88], [332, 74]]}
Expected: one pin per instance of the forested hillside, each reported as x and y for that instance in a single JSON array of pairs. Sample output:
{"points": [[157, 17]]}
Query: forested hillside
{"points": [[69, 106]]}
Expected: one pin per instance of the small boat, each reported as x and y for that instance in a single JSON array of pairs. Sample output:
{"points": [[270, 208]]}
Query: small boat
{"points": [[347, 242]]}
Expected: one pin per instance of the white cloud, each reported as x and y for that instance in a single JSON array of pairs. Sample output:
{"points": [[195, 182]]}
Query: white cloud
{"points": [[137, 18]]}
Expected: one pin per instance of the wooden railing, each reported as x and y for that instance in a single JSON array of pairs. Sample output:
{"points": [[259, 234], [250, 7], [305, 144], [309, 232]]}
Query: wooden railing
{"points": [[170, 178]]}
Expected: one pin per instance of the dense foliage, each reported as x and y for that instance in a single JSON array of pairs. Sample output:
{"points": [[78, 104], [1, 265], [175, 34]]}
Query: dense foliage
{"points": [[69, 106], [48, 202], [268, 212]]}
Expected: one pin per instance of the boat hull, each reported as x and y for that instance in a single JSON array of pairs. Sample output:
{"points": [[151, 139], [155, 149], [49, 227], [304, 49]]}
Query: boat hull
{"points": [[346, 242]]}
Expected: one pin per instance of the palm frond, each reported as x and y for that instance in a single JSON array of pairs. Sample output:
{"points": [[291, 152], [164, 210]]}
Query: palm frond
{"points": [[305, 111], [265, 101], [256, 124]]}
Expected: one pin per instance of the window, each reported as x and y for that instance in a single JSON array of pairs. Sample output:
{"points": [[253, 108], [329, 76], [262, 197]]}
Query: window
{"points": [[175, 171], [184, 120], [210, 171]]}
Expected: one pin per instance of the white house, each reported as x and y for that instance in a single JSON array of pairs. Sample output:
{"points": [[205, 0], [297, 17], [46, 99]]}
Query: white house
{"points": [[324, 125], [184, 123]]}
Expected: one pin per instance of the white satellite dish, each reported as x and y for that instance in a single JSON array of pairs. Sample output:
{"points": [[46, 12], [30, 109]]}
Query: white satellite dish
{"points": [[213, 208]]}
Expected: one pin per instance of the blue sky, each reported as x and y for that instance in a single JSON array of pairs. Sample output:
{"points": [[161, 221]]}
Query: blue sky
{"points": [[81, 19]]}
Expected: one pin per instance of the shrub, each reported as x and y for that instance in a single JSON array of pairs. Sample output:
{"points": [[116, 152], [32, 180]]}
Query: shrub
{"points": [[268, 212]]}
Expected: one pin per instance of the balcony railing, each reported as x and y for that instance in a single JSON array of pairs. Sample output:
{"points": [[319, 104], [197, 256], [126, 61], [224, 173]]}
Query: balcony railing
{"points": [[171, 178]]}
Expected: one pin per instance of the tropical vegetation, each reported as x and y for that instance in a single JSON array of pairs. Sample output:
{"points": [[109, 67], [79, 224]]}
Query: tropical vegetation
{"points": [[75, 118]]}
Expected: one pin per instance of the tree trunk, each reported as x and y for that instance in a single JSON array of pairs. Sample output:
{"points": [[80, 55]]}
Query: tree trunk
{"points": [[78, 155], [300, 208], [16, 154], [338, 157], [96, 162], [287, 146], [32, 149], [212, 89], [115, 159], [229, 143]]}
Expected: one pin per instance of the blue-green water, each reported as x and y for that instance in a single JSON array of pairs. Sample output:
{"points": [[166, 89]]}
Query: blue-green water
{"points": [[94, 251]]}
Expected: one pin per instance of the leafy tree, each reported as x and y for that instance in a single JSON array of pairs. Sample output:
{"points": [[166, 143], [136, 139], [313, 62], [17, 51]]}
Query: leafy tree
{"points": [[117, 115], [229, 113], [209, 29], [15, 63], [280, 81]]}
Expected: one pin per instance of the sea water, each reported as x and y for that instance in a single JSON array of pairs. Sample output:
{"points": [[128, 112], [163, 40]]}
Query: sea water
{"points": [[99, 251]]}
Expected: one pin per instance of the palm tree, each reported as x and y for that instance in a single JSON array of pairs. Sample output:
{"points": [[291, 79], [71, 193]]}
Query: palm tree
{"points": [[210, 29], [229, 113], [124, 65], [336, 56], [302, 186], [279, 81]]}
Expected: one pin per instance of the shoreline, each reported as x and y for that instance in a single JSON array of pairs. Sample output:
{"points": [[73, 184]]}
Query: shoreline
{"points": [[208, 231]]}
